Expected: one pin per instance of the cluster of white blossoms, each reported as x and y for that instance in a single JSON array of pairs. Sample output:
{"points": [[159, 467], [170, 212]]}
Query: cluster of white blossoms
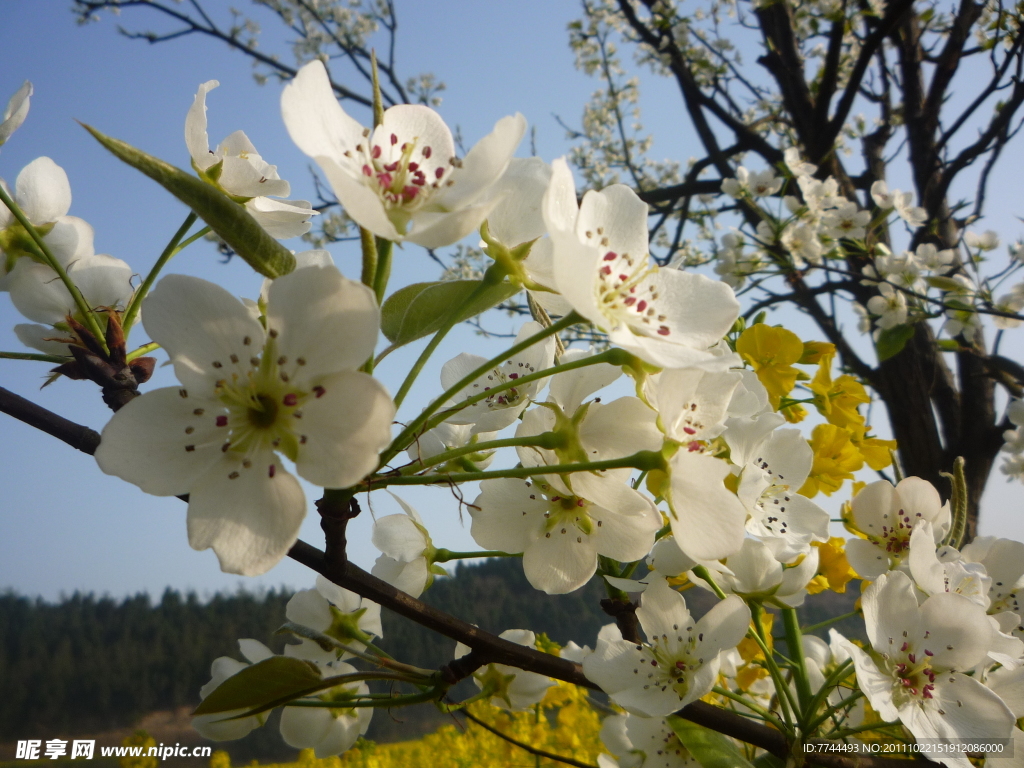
{"points": [[695, 471]]}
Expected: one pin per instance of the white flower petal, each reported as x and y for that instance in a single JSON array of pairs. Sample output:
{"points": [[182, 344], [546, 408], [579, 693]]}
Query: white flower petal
{"points": [[398, 537], [560, 561], [483, 165], [146, 442], [322, 317], [707, 519], [199, 324], [196, 138], [250, 521], [314, 119], [408, 577], [346, 427], [43, 191]]}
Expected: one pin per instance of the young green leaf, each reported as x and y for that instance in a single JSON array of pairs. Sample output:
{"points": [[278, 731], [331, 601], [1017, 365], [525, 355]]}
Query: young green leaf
{"points": [[891, 341], [709, 748], [277, 679], [227, 218], [420, 309]]}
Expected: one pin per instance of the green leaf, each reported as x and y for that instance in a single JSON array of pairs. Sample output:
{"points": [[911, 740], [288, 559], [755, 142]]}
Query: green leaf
{"points": [[274, 680], [948, 345], [709, 748], [944, 284], [421, 308], [228, 219], [891, 341]]}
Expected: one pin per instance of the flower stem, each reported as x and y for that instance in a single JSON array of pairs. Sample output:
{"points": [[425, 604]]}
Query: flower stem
{"points": [[614, 356], [444, 555], [405, 437], [638, 460], [369, 247], [827, 622], [491, 277], [546, 440], [837, 675], [795, 647], [702, 572], [33, 356], [383, 271], [751, 705], [88, 316], [143, 350], [785, 695], [172, 248]]}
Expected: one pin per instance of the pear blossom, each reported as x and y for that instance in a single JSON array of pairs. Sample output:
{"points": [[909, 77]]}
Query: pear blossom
{"points": [[890, 307], [513, 689], [598, 430], [447, 436], [680, 661], [226, 726], [602, 268], [692, 403], [932, 259], [986, 241], [901, 201], [916, 672], [757, 184], [328, 731], [1014, 437], [103, 281], [773, 465], [404, 181], [498, 411], [561, 534], [247, 393], [1012, 302], [642, 742], [846, 221], [43, 193], [335, 612], [797, 166], [15, 112], [943, 570], [887, 515], [1003, 560], [407, 560], [753, 572], [803, 244], [237, 169]]}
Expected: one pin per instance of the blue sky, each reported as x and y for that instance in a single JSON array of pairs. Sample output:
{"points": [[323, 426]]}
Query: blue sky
{"points": [[65, 526]]}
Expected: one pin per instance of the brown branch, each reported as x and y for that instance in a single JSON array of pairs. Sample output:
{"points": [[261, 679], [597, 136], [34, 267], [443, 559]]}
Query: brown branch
{"points": [[76, 435]]}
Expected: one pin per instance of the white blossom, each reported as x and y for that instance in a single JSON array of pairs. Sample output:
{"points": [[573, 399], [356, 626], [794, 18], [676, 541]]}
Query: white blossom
{"points": [[43, 193], [246, 394], [680, 661], [602, 268], [403, 181], [237, 169], [15, 112], [512, 688]]}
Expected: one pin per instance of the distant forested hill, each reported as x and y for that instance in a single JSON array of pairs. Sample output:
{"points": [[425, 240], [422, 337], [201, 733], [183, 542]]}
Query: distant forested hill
{"points": [[89, 664]]}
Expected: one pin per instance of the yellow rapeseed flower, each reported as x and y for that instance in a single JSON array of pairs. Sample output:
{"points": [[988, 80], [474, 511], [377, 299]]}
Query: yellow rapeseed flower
{"points": [[834, 571], [772, 351], [836, 458]]}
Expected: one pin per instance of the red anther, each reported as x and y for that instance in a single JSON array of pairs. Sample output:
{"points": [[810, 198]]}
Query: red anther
{"points": [[513, 375], [438, 173], [409, 193], [367, 171], [641, 306], [385, 179], [222, 421], [426, 151], [690, 430], [664, 331], [556, 498], [912, 658], [414, 167], [694, 446], [394, 139], [680, 665], [630, 301], [623, 278], [391, 167], [579, 502], [375, 153], [291, 399], [271, 470], [606, 270], [928, 653], [319, 391], [611, 256]]}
